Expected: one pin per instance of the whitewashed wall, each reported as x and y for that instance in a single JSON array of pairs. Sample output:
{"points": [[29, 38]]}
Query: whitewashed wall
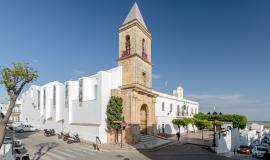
{"points": [[88, 119], [165, 117], [231, 139]]}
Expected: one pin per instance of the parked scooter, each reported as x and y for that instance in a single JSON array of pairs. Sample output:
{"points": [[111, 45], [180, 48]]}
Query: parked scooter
{"points": [[66, 136], [49, 132], [60, 135], [74, 139]]}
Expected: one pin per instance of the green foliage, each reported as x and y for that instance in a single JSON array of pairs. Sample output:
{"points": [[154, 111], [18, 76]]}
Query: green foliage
{"points": [[201, 116], [180, 122], [189, 120], [203, 124], [239, 121], [16, 77], [114, 112], [184, 107], [219, 123]]}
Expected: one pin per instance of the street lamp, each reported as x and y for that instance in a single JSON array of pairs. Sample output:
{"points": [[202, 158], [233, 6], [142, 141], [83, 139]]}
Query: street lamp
{"points": [[214, 116]]}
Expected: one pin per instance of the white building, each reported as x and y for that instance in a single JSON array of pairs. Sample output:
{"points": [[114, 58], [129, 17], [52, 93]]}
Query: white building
{"points": [[75, 106], [16, 113], [80, 106], [169, 107]]}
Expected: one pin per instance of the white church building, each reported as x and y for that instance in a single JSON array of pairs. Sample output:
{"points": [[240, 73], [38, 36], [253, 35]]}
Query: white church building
{"points": [[79, 106]]}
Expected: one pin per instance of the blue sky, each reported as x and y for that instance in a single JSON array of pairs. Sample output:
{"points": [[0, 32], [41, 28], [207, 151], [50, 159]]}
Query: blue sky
{"points": [[217, 50]]}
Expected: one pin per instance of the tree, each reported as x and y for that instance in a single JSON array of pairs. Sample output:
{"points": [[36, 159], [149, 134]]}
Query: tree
{"points": [[239, 121], [202, 124], [201, 116], [14, 79], [219, 124], [179, 122], [115, 113], [189, 121]]}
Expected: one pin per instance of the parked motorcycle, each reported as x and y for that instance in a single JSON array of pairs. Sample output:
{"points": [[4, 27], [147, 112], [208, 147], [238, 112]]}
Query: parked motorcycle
{"points": [[74, 139], [60, 135], [66, 136], [49, 132]]}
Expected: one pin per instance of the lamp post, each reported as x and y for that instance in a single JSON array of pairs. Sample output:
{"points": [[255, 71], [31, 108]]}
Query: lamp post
{"points": [[214, 117]]}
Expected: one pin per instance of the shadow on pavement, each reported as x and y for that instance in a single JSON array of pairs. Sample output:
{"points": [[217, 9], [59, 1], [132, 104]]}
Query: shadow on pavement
{"points": [[43, 149]]}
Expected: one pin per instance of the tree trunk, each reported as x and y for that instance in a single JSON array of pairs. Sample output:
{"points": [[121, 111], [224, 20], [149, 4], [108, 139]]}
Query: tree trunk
{"points": [[117, 136], [179, 132], [2, 133], [4, 121], [202, 134]]}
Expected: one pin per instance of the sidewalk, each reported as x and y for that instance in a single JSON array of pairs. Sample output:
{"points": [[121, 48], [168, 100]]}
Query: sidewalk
{"points": [[193, 138], [117, 147]]}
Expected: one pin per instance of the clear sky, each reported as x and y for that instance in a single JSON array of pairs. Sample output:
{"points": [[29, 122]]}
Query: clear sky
{"points": [[218, 50]]}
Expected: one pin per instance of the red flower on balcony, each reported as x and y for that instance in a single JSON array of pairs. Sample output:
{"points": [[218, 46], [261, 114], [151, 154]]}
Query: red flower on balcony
{"points": [[145, 56], [125, 53]]}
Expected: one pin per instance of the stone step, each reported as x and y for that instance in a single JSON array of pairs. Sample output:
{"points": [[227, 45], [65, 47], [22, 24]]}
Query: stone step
{"points": [[145, 138]]}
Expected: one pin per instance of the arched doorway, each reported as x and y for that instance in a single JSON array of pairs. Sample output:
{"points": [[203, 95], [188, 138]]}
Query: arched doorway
{"points": [[143, 119]]}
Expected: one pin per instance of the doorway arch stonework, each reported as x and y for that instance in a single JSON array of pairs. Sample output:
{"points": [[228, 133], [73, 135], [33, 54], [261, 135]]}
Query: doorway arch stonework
{"points": [[143, 119]]}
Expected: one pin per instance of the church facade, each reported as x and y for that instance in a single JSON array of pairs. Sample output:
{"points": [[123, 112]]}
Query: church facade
{"points": [[80, 106]]}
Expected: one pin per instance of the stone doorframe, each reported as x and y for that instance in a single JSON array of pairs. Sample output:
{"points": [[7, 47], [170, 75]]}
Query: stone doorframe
{"points": [[144, 127]]}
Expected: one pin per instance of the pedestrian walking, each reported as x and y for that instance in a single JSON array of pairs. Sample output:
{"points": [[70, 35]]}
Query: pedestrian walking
{"points": [[178, 136], [98, 143], [234, 150]]}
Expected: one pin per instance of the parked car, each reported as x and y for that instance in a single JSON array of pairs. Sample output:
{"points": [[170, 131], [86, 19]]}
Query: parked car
{"points": [[7, 140], [25, 128], [244, 149], [259, 151]]}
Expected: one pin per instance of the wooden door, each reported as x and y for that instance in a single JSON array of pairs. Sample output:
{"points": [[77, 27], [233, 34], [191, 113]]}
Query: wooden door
{"points": [[143, 121]]}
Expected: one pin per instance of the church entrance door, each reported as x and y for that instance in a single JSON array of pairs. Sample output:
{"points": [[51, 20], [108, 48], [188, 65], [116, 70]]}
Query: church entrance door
{"points": [[143, 121]]}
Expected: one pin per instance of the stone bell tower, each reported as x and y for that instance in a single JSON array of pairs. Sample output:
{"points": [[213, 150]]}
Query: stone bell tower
{"points": [[135, 58]]}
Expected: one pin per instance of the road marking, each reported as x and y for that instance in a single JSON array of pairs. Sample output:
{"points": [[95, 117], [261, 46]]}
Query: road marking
{"points": [[64, 153], [83, 150], [92, 150], [70, 151], [53, 155]]}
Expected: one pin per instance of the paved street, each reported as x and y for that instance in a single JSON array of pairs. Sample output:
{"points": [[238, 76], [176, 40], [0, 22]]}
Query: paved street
{"points": [[51, 148], [184, 151]]}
